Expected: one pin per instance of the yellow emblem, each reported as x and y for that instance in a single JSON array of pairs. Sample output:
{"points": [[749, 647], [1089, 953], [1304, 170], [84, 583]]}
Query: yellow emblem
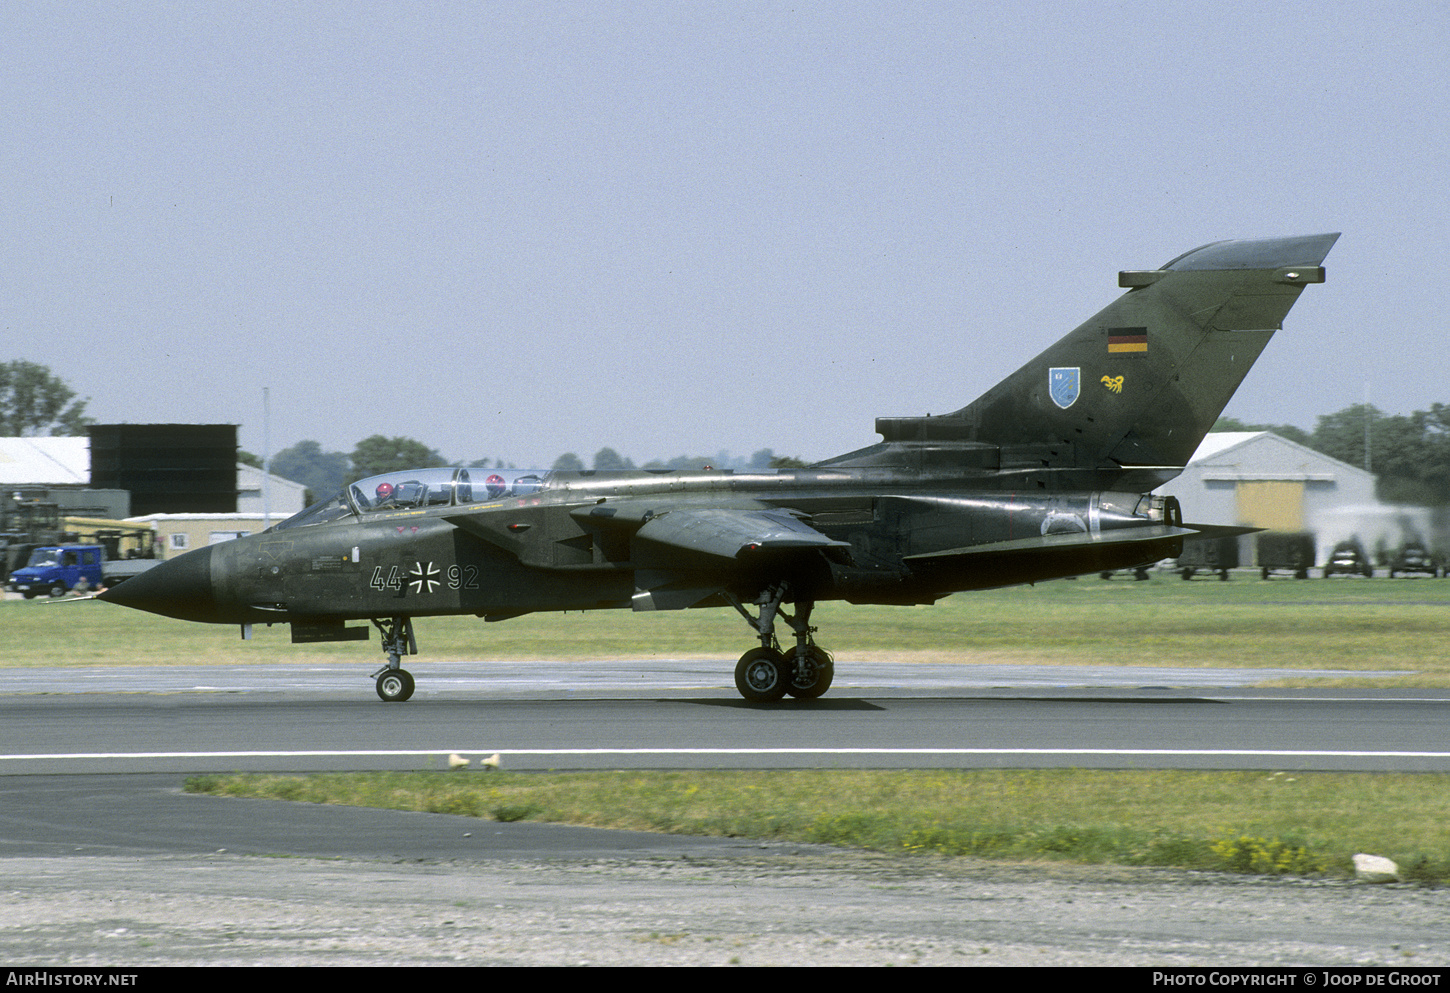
{"points": [[1114, 383]]}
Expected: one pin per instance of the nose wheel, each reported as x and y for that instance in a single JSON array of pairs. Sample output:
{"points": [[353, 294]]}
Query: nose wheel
{"points": [[395, 685]]}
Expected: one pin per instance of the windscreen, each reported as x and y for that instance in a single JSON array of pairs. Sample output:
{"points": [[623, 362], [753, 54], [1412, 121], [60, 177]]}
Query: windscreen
{"points": [[330, 509]]}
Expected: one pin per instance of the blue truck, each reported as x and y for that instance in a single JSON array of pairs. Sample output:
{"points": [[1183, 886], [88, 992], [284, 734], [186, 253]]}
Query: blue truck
{"points": [[55, 570]]}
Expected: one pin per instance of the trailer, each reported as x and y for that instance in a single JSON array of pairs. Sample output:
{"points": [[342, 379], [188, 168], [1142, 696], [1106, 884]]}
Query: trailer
{"points": [[1214, 555], [1285, 551]]}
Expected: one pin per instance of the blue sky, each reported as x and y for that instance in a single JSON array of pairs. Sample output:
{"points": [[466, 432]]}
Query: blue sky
{"points": [[515, 229]]}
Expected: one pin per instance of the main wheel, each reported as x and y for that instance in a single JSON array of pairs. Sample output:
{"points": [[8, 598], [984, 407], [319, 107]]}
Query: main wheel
{"points": [[762, 675], [395, 685], [820, 670]]}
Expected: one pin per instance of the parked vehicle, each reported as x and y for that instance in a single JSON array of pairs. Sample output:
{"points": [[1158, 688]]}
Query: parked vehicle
{"points": [[55, 570], [1138, 572], [1414, 557], [24, 524], [1285, 551], [1215, 555], [1348, 559]]}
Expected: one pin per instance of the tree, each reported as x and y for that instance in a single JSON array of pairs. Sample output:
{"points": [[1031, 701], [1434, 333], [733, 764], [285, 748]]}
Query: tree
{"points": [[1297, 435], [608, 460], [1410, 454], [34, 402], [323, 473], [684, 462], [568, 462], [1341, 435], [377, 455]]}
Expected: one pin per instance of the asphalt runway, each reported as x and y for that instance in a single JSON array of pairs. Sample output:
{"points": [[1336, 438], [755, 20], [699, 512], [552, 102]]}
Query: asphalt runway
{"points": [[682, 714], [105, 861]]}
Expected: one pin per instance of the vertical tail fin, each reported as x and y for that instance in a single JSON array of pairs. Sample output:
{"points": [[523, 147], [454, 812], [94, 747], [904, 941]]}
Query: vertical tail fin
{"points": [[1142, 382]]}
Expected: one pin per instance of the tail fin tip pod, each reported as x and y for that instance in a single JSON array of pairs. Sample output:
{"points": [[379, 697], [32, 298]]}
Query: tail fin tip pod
{"points": [[1141, 382]]}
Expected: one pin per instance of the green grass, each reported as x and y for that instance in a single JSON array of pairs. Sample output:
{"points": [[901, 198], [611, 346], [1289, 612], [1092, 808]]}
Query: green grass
{"points": [[1253, 822], [1248, 623]]}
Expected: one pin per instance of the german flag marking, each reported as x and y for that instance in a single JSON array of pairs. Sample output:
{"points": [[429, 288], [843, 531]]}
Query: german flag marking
{"points": [[1127, 341]]}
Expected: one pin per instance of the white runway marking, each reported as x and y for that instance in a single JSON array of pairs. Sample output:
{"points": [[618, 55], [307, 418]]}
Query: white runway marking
{"points": [[795, 752]]}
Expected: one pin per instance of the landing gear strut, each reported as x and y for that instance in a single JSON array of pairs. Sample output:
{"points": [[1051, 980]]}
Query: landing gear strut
{"points": [[766, 674], [395, 684]]}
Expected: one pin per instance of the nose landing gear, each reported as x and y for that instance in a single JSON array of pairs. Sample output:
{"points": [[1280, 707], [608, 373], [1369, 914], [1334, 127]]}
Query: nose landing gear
{"points": [[394, 683]]}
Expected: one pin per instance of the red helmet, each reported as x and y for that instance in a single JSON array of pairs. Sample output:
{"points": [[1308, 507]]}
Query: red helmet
{"points": [[385, 490]]}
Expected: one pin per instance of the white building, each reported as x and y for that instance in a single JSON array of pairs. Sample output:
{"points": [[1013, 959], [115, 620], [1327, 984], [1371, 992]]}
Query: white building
{"points": [[260, 493], [58, 465], [1258, 479], [45, 462], [177, 534]]}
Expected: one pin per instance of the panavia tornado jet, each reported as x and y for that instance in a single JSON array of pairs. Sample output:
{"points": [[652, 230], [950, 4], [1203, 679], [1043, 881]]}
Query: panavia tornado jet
{"points": [[1049, 474]]}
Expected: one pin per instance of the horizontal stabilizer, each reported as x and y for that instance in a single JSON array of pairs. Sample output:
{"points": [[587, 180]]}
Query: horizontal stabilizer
{"points": [[1051, 556], [1207, 532], [1053, 543]]}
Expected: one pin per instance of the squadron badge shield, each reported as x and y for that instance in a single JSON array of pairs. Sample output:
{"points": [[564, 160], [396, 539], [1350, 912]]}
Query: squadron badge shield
{"points": [[1062, 385]]}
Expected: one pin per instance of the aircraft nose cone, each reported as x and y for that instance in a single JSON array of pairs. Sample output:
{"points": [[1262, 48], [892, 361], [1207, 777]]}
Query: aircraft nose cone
{"points": [[180, 588]]}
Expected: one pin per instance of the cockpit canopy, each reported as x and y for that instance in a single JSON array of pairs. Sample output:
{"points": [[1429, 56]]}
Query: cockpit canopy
{"points": [[440, 488], [421, 489]]}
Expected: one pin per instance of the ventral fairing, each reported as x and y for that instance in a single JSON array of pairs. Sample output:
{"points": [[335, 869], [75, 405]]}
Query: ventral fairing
{"points": [[1048, 474]]}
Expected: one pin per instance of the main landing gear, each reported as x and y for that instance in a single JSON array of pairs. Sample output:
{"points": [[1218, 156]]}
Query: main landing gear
{"points": [[395, 684], [763, 675], [766, 674]]}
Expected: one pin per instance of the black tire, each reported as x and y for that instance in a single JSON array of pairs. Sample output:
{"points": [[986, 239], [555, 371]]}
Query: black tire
{"points": [[57, 589], [823, 670], [395, 686], [762, 675]]}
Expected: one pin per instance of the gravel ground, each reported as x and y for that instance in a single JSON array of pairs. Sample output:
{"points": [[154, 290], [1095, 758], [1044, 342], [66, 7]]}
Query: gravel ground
{"points": [[775, 906]]}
